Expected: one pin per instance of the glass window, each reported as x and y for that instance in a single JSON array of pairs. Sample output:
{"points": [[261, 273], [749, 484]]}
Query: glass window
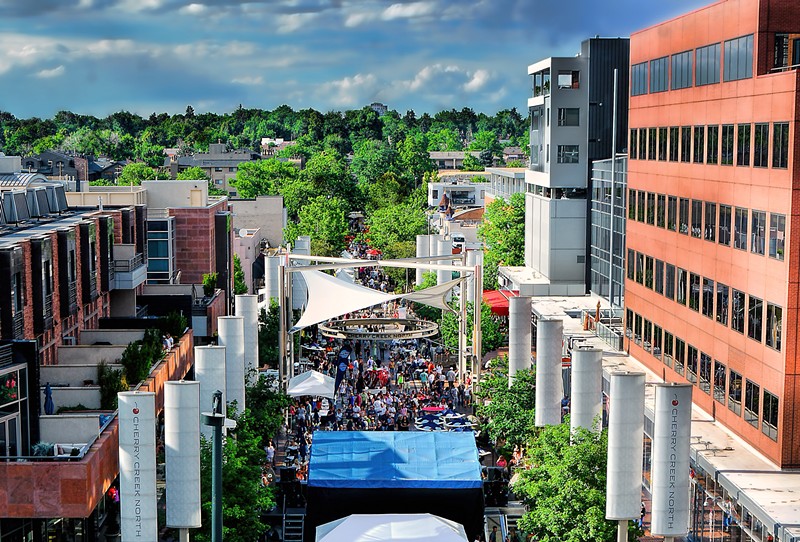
{"points": [[710, 229], [781, 56], [705, 372], [752, 395], [697, 218], [758, 232], [774, 326], [707, 65], [648, 272], [743, 145], [640, 268], [642, 143], [686, 143], [632, 149], [569, 79], [631, 204], [712, 155], [684, 216], [656, 341], [631, 263], [673, 144], [659, 281], [672, 213], [777, 235], [680, 355], [761, 143], [699, 144], [740, 229], [737, 310], [691, 364], [708, 297], [694, 292], [651, 208], [661, 203], [727, 144], [568, 116], [652, 135], [628, 323], [722, 303], [568, 154], [780, 145], [662, 144], [668, 349], [725, 225], [640, 206], [669, 281], [769, 416], [681, 293], [755, 315], [738, 58], [659, 70], [720, 374], [735, 393], [682, 70], [647, 336], [637, 328]]}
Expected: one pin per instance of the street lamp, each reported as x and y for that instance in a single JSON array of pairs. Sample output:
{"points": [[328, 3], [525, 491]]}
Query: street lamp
{"points": [[216, 419]]}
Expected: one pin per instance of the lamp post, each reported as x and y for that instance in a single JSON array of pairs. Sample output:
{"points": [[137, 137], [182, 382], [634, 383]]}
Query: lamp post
{"points": [[216, 419]]}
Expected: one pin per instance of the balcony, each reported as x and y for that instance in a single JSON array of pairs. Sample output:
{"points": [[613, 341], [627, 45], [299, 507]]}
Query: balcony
{"points": [[72, 485], [129, 268]]}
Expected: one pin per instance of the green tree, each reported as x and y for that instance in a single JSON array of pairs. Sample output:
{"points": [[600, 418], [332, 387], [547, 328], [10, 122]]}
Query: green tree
{"points": [[384, 192], [564, 488], [471, 163], [486, 140], [503, 233], [515, 163], [327, 172], [263, 177], [414, 159], [324, 219], [193, 173], [371, 160], [390, 225], [136, 172], [445, 139], [239, 283], [268, 329], [508, 411], [492, 336]]}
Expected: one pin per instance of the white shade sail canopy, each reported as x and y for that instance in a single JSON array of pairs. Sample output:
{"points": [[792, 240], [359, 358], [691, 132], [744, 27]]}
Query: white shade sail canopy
{"points": [[434, 296], [391, 527], [311, 383]]}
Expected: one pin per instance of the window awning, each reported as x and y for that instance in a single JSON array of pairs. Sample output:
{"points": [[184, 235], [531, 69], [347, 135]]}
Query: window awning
{"points": [[498, 300]]}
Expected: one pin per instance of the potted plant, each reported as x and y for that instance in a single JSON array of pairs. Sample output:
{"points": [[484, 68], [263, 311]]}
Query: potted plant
{"points": [[209, 284]]}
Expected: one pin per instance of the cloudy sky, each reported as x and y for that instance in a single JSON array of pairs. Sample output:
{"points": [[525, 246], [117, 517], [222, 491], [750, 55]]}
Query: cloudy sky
{"points": [[100, 56]]}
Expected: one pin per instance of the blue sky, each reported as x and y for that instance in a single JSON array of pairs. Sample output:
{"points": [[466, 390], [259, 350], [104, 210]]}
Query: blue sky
{"points": [[100, 56]]}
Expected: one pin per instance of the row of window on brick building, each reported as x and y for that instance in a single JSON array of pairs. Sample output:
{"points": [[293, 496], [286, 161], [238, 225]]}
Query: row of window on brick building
{"points": [[742, 144], [728, 225], [698, 368]]}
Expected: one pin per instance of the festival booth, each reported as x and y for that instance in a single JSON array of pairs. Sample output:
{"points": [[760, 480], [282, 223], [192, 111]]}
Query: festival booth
{"points": [[376, 472], [311, 383], [391, 527]]}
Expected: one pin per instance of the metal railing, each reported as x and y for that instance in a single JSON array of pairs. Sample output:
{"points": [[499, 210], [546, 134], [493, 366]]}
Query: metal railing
{"points": [[128, 265]]}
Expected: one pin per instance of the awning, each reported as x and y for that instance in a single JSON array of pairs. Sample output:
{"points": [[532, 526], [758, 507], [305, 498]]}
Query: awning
{"points": [[498, 300], [391, 527], [311, 383]]}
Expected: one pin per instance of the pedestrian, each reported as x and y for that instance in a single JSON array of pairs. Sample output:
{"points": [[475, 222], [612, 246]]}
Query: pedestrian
{"points": [[269, 450], [493, 535]]}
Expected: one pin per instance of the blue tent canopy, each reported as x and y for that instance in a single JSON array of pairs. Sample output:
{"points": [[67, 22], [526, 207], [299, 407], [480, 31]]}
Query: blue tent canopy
{"points": [[377, 459]]}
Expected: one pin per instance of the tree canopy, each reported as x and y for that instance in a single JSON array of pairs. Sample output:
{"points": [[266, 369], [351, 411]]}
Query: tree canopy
{"points": [[503, 233], [389, 225]]}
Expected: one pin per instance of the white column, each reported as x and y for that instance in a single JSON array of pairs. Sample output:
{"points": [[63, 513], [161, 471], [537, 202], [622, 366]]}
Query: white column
{"points": [[433, 244], [586, 395], [182, 452], [625, 446], [519, 338], [209, 370], [670, 461], [423, 249], [247, 308], [445, 248], [137, 465], [549, 385], [231, 336], [470, 286], [302, 245]]}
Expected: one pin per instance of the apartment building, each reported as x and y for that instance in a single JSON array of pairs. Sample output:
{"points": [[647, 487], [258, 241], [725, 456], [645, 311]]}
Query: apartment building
{"points": [[713, 265]]}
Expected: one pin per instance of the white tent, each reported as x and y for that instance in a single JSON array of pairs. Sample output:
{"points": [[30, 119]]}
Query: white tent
{"points": [[311, 383], [391, 527]]}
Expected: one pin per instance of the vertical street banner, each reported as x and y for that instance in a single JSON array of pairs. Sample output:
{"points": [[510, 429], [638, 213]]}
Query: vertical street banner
{"points": [[137, 466], [182, 453], [670, 460], [342, 363]]}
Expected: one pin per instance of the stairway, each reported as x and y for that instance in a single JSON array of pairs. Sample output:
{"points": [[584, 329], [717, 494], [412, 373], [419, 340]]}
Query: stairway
{"points": [[293, 527]]}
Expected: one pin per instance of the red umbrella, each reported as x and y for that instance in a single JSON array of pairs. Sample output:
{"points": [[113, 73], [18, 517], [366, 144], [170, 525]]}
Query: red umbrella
{"points": [[373, 252]]}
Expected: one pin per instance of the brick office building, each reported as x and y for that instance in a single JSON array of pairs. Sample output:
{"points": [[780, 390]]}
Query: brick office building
{"points": [[713, 270]]}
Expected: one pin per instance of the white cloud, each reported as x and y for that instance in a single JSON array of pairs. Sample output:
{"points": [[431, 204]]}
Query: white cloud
{"points": [[407, 11], [140, 5], [478, 81], [293, 21], [49, 74], [248, 80], [359, 18], [193, 9], [350, 91]]}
